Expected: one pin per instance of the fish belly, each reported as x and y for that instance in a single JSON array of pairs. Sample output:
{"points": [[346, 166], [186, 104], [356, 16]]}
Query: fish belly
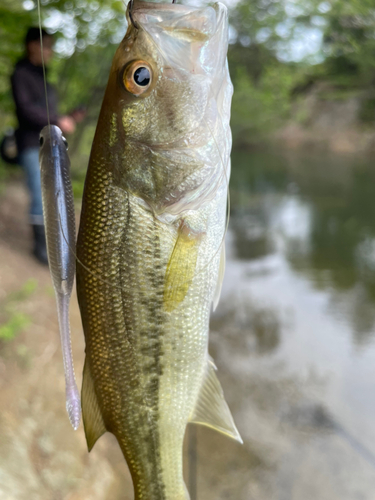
{"points": [[146, 363]]}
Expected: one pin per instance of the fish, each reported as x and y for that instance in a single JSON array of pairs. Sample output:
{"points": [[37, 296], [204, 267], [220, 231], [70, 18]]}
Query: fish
{"points": [[59, 221], [151, 242]]}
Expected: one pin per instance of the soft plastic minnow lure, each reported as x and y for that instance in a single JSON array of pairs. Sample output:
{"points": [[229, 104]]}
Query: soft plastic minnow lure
{"points": [[59, 220]]}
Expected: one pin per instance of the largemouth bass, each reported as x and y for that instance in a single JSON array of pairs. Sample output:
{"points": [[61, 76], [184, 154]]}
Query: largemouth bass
{"points": [[59, 221], [151, 234]]}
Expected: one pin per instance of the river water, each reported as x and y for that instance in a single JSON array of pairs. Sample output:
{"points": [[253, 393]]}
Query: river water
{"points": [[294, 333]]}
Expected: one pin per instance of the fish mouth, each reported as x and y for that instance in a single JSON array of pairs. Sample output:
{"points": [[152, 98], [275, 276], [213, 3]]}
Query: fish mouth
{"points": [[191, 39], [139, 5], [183, 22]]}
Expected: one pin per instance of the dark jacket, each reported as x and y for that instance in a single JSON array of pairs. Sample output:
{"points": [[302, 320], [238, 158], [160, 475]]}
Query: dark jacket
{"points": [[31, 109]]}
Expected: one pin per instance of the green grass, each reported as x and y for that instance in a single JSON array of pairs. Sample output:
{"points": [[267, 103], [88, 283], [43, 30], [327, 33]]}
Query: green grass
{"points": [[13, 326], [15, 321]]}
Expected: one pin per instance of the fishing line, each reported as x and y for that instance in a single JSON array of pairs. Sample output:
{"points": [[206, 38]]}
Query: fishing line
{"points": [[93, 274], [44, 68], [49, 125], [43, 64], [193, 461]]}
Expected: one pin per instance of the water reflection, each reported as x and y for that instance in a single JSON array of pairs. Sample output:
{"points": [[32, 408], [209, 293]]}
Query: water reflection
{"points": [[293, 335], [253, 238], [254, 328], [319, 212]]}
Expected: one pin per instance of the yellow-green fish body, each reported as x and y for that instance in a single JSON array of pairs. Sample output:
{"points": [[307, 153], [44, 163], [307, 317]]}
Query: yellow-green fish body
{"points": [[151, 240]]}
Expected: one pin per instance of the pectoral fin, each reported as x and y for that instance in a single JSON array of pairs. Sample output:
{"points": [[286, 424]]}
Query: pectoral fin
{"points": [[181, 267], [212, 409], [220, 278], [92, 417]]}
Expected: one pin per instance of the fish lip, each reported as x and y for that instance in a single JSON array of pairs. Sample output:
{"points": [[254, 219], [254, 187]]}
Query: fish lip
{"points": [[138, 5]]}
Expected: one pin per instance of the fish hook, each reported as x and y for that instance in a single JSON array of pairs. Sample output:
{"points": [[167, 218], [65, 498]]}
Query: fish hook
{"points": [[131, 4]]}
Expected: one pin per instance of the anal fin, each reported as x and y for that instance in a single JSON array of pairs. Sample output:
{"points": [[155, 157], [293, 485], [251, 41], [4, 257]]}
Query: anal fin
{"points": [[91, 414], [211, 409]]}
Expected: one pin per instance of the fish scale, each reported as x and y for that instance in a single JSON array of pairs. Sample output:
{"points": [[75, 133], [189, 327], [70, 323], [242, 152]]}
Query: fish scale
{"points": [[150, 245], [106, 329]]}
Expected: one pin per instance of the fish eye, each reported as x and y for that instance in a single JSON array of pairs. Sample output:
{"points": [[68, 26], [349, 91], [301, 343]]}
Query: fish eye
{"points": [[65, 142], [41, 141], [142, 76], [137, 77]]}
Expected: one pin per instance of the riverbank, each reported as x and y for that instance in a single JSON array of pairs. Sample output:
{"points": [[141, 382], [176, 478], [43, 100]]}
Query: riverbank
{"points": [[328, 118]]}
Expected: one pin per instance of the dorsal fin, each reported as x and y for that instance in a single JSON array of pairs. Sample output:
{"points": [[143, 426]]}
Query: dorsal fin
{"points": [[91, 414], [211, 409]]}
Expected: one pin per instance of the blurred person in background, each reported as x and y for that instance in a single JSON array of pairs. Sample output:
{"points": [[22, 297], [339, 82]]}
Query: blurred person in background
{"points": [[30, 98]]}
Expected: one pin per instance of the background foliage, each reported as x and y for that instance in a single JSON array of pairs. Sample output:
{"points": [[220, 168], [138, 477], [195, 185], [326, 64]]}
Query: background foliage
{"points": [[278, 49]]}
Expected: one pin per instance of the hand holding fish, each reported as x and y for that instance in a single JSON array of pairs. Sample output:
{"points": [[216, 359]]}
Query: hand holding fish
{"points": [[67, 124]]}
